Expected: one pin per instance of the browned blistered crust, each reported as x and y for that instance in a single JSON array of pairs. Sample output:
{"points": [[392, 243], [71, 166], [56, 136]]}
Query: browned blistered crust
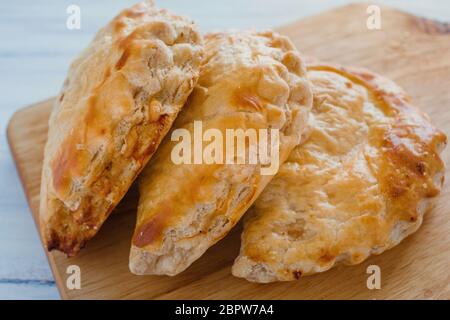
{"points": [[359, 185], [117, 103], [249, 80]]}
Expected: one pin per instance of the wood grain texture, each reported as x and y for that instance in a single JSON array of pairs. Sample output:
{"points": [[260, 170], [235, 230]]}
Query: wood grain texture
{"points": [[412, 51]]}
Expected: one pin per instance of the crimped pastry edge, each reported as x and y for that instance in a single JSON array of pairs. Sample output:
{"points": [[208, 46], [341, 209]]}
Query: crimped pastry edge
{"points": [[260, 272]]}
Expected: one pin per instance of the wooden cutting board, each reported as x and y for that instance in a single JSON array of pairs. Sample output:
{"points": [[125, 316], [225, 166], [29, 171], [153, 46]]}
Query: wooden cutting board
{"points": [[413, 51]]}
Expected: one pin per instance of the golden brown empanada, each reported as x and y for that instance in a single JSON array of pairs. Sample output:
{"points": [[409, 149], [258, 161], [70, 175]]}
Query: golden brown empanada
{"points": [[119, 100], [249, 81], [359, 185]]}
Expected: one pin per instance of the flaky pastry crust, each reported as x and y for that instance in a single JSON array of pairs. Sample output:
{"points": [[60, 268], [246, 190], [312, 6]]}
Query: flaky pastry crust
{"points": [[248, 80], [119, 100], [359, 185]]}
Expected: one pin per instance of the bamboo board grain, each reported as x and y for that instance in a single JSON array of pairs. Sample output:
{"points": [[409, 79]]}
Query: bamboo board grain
{"points": [[412, 51]]}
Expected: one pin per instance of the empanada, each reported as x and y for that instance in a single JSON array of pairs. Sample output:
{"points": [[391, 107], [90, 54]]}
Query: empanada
{"points": [[249, 80], [119, 100], [359, 185]]}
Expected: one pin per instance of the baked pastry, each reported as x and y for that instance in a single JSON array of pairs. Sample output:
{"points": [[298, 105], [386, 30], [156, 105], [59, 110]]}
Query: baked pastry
{"points": [[249, 80], [120, 98], [359, 185]]}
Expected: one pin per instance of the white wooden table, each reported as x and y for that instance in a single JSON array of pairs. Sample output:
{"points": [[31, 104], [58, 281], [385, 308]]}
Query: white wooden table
{"points": [[35, 51]]}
